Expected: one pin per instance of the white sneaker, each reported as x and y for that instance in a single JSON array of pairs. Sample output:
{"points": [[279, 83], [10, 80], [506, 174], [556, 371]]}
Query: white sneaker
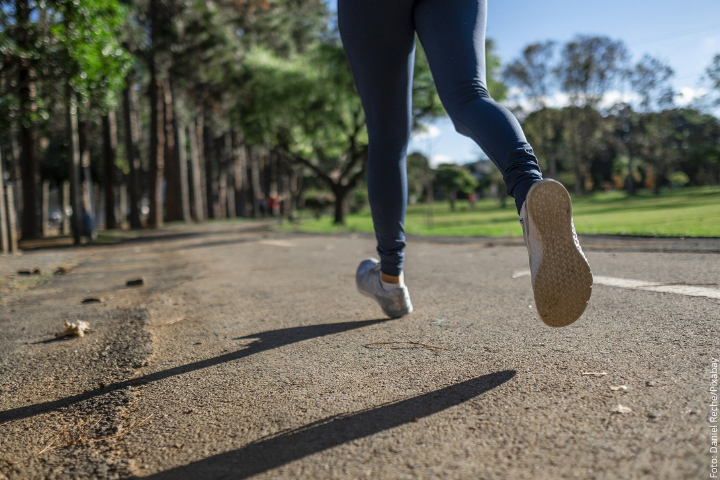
{"points": [[395, 302], [560, 273]]}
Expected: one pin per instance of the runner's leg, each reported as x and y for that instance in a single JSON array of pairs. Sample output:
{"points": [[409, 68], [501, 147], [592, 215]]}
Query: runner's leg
{"points": [[379, 41], [453, 36]]}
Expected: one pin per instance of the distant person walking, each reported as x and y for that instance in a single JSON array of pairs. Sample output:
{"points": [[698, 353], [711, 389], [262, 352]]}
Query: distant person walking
{"points": [[379, 40]]}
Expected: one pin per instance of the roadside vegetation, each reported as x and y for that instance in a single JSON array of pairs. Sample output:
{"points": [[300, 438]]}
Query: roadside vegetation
{"points": [[690, 211]]}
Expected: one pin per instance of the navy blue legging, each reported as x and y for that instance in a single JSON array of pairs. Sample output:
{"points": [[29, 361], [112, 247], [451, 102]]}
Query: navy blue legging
{"points": [[379, 41]]}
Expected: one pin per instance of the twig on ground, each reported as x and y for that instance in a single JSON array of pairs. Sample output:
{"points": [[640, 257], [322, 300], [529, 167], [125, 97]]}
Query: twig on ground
{"points": [[81, 440], [170, 322], [52, 441], [425, 345]]}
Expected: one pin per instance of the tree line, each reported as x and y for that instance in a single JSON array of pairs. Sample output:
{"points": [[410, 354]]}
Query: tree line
{"points": [[186, 110], [643, 137]]}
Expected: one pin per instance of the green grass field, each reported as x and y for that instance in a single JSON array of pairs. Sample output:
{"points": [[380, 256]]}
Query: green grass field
{"points": [[692, 212]]}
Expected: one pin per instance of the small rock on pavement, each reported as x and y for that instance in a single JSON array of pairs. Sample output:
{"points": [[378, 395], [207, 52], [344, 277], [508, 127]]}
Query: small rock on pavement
{"points": [[619, 388], [136, 282], [622, 409]]}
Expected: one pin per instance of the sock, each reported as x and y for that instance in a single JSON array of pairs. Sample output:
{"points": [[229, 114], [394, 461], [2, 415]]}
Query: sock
{"points": [[393, 286]]}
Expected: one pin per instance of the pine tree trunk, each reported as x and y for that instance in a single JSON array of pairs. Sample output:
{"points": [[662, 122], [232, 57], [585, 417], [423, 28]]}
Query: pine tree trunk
{"points": [[173, 185], [222, 164], [45, 207], [196, 173], [132, 137], [181, 149], [109, 150], [239, 177], [74, 142], [28, 107], [4, 244], [210, 174], [255, 178], [157, 147], [199, 135], [87, 187]]}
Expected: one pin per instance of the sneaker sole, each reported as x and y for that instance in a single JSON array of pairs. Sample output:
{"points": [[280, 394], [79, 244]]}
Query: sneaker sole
{"points": [[563, 282], [390, 314]]}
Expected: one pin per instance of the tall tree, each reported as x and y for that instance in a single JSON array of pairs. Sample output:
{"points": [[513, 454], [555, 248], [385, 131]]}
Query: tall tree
{"points": [[589, 67]]}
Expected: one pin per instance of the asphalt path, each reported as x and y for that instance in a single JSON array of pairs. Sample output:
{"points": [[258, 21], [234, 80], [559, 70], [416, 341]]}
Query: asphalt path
{"points": [[249, 354]]}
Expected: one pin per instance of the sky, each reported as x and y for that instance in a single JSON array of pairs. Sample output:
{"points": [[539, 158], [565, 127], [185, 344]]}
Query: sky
{"points": [[685, 34]]}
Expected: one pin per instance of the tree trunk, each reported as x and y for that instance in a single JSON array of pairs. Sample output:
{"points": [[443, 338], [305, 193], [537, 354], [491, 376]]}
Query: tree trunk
{"points": [[109, 151], [181, 148], [230, 162], [122, 220], [66, 204], [132, 136], [211, 179], [45, 207], [196, 173], [255, 179], [28, 108], [239, 176], [199, 136], [4, 244], [74, 142], [221, 156], [341, 196], [157, 147], [173, 183], [87, 187], [12, 232]]}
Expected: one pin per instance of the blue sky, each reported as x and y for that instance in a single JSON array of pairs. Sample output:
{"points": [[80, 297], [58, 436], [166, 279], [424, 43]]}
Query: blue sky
{"points": [[684, 34]]}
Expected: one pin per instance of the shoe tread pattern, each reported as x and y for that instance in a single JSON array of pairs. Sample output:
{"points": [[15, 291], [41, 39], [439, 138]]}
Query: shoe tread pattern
{"points": [[563, 282]]}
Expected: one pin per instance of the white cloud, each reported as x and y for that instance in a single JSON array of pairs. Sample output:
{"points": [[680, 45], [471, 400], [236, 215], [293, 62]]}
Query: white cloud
{"points": [[688, 94], [428, 132], [436, 160]]}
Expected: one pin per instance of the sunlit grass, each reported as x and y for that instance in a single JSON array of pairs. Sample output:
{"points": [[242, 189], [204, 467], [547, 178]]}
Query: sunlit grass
{"points": [[678, 212]]}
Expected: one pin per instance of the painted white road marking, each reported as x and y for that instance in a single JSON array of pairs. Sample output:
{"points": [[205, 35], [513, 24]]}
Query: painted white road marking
{"points": [[277, 243], [687, 290]]}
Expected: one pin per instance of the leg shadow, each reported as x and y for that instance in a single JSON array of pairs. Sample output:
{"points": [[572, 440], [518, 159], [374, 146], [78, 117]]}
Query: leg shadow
{"points": [[285, 447], [264, 341]]}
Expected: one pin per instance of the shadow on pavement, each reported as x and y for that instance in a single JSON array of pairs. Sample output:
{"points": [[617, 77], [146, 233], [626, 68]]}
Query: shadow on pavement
{"points": [[264, 341], [285, 447]]}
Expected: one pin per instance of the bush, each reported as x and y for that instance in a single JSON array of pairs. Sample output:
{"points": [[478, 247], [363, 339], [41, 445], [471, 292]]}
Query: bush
{"points": [[317, 202], [678, 179]]}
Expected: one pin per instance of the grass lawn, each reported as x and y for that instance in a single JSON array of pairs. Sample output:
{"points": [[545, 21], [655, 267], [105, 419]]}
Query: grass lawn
{"points": [[692, 212]]}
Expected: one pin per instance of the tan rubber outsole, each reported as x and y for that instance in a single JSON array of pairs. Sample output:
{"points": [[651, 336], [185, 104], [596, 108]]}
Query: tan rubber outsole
{"points": [[563, 282]]}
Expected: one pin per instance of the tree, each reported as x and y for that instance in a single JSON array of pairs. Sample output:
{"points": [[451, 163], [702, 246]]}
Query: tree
{"points": [[589, 67], [94, 65], [533, 73], [306, 107], [453, 179]]}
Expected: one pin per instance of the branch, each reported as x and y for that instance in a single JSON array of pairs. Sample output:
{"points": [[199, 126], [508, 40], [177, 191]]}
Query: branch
{"points": [[322, 175]]}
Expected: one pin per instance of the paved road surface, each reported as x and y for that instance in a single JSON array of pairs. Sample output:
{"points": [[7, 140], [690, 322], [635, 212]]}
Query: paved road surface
{"points": [[250, 354]]}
